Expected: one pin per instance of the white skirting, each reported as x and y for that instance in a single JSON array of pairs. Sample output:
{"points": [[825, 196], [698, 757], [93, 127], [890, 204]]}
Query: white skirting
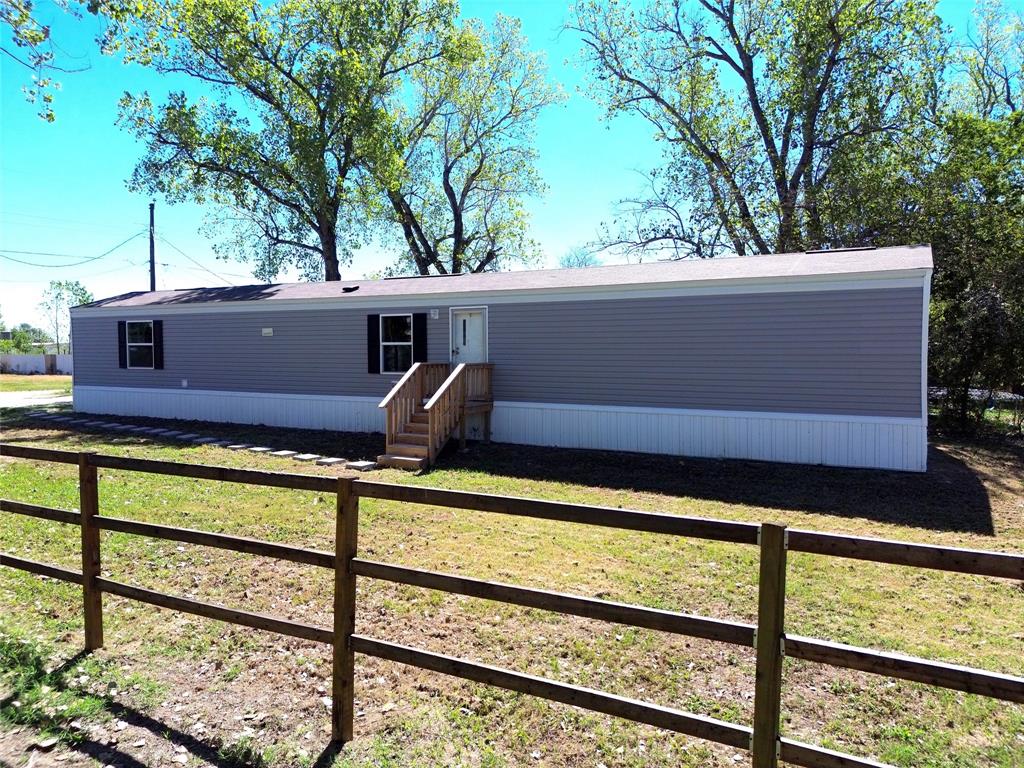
{"points": [[841, 441], [844, 441], [343, 414]]}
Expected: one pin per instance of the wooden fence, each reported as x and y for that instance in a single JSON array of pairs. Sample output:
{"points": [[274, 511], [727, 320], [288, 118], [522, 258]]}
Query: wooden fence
{"points": [[763, 739]]}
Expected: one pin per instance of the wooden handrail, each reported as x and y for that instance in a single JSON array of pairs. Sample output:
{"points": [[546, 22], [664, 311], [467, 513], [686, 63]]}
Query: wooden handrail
{"points": [[407, 395], [448, 383], [445, 410], [406, 377]]}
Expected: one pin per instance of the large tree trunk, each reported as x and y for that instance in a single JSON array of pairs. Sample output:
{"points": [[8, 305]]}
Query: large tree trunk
{"points": [[329, 249]]}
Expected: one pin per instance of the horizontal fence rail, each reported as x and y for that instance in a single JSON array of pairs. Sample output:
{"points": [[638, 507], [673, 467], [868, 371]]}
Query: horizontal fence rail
{"points": [[219, 612], [936, 673], [591, 608], [596, 701], [969, 561], [219, 541], [651, 522], [764, 740], [41, 569]]}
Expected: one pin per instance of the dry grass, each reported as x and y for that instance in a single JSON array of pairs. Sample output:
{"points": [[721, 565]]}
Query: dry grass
{"points": [[235, 697], [13, 382]]}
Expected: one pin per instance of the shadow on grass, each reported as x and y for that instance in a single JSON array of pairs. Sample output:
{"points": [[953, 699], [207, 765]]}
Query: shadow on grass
{"points": [[26, 705], [950, 496]]}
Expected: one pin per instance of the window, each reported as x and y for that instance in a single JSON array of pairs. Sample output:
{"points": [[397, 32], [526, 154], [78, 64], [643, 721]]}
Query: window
{"points": [[395, 343], [139, 343]]}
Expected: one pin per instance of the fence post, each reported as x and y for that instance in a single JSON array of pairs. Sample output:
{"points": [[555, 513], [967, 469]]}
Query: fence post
{"points": [[345, 544], [89, 505], [771, 612]]}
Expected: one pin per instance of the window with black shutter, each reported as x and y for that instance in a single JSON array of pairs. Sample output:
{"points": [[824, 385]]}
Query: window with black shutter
{"points": [[395, 342], [140, 344]]}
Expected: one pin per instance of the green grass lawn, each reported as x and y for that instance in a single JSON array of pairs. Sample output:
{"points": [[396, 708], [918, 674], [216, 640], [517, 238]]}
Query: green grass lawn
{"points": [[233, 696], [13, 382]]}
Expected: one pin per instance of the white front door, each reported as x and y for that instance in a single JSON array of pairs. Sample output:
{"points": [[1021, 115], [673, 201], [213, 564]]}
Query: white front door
{"points": [[469, 336]]}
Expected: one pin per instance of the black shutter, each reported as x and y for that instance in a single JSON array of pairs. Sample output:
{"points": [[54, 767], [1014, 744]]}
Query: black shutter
{"points": [[419, 337], [158, 344], [373, 343], [122, 344]]}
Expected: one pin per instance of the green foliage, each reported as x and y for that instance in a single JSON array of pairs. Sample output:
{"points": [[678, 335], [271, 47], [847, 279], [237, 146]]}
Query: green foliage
{"points": [[301, 106], [972, 210], [32, 49], [755, 103], [58, 299], [467, 139], [330, 122]]}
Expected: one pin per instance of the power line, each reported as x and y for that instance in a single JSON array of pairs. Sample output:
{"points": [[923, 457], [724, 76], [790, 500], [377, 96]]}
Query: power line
{"points": [[61, 255], [82, 277], [194, 261]]}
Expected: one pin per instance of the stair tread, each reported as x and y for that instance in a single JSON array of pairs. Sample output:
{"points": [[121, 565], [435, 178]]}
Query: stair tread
{"points": [[401, 462], [415, 438], [407, 449]]}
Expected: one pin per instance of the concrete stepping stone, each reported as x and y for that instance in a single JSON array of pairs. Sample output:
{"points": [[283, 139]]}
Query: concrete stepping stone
{"points": [[239, 446], [140, 430], [171, 433], [306, 457], [260, 449], [221, 444], [284, 454], [93, 424], [63, 419], [124, 427], [361, 466], [50, 416], [187, 436], [76, 422], [204, 440], [329, 461]]}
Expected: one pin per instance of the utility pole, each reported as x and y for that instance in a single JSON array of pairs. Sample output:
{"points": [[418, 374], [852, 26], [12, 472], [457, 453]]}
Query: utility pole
{"points": [[152, 250]]}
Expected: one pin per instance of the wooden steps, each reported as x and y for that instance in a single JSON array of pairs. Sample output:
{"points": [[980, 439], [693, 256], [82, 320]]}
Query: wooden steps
{"points": [[401, 462], [429, 406], [411, 446]]}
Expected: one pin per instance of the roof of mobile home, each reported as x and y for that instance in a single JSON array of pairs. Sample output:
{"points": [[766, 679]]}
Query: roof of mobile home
{"points": [[781, 267]]}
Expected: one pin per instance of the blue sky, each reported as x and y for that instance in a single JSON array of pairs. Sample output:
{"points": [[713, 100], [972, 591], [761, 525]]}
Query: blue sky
{"points": [[62, 186]]}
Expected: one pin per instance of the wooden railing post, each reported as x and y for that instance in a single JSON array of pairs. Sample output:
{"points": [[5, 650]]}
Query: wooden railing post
{"points": [[89, 504], [343, 668], [771, 614]]}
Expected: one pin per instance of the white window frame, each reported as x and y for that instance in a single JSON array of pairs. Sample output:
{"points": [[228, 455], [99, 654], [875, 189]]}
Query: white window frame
{"points": [[129, 344], [381, 343]]}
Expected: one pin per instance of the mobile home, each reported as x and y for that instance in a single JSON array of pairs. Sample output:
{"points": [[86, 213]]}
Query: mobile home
{"points": [[815, 357]]}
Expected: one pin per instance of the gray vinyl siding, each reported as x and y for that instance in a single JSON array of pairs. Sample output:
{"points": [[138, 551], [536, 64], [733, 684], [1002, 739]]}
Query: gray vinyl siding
{"points": [[854, 352], [317, 353]]}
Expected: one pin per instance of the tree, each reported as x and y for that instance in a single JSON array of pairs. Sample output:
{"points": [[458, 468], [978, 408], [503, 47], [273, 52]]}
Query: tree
{"points": [[757, 101], [956, 181], [58, 299], [579, 258], [993, 60], [302, 102], [469, 156], [32, 47], [973, 210]]}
